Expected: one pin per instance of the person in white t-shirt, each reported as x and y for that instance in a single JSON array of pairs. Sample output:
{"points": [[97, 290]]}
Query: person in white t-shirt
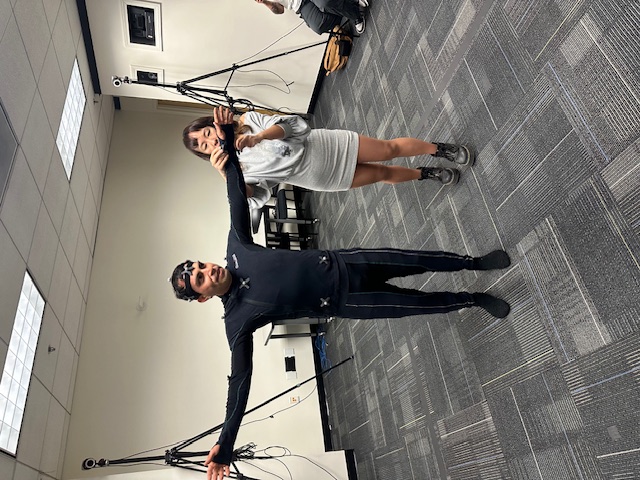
{"points": [[322, 15], [284, 148]]}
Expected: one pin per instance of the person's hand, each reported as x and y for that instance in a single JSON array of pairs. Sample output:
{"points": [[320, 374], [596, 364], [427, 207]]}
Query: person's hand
{"points": [[218, 160], [221, 116], [275, 7], [247, 141], [215, 471]]}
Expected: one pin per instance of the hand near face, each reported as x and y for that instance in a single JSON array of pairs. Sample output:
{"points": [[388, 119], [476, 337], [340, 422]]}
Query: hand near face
{"points": [[218, 160], [221, 116], [247, 141], [215, 471]]}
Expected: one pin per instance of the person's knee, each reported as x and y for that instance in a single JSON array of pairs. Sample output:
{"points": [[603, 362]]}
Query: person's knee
{"points": [[391, 149], [318, 21], [385, 174]]}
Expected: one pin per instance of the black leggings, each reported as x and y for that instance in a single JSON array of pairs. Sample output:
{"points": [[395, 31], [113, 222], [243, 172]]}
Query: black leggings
{"points": [[370, 296]]}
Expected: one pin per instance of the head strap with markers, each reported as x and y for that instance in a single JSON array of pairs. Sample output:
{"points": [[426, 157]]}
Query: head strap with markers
{"points": [[183, 272]]}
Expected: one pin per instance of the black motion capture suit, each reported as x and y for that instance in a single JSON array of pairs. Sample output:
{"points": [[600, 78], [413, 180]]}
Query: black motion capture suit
{"points": [[269, 285]]}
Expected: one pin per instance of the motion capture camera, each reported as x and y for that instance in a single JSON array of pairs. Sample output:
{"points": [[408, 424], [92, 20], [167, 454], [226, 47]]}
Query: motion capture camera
{"points": [[118, 81], [89, 463]]}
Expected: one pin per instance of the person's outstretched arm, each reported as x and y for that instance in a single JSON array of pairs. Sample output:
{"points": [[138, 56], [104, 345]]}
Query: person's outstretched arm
{"points": [[220, 455], [236, 188], [219, 162], [275, 7]]}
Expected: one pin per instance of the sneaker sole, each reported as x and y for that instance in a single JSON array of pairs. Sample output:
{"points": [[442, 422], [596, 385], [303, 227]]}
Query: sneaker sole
{"points": [[471, 157], [455, 177]]}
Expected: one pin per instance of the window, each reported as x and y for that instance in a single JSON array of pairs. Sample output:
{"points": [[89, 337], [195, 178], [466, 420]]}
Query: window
{"points": [[16, 374], [71, 119]]}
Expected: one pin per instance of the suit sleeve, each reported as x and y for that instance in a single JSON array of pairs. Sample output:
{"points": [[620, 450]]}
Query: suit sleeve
{"points": [[236, 192], [237, 395]]}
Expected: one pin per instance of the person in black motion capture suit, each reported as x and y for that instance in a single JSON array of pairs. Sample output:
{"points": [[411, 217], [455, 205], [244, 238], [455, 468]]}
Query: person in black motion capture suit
{"points": [[261, 285]]}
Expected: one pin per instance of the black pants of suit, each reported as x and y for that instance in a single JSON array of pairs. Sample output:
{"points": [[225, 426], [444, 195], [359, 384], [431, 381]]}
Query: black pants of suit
{"points": [[322, 15], [370, 296]]}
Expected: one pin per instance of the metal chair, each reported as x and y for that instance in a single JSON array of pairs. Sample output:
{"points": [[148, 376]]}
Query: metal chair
{"points": [[284, 225], [295, 321]]}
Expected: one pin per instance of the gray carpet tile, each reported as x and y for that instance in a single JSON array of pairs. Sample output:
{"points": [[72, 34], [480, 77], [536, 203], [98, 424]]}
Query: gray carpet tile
{"points": [[471, 445], [548, 95]]}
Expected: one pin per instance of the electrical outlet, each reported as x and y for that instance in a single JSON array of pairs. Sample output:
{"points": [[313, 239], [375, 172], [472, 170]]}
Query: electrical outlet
{"points": [[290, 364], [294, 399]]}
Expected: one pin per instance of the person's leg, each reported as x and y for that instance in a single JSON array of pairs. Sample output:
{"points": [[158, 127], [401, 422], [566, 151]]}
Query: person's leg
{"points": [[381, 264], [344, 8], [317, 20], [367, 174], [396, 302], [375, 150]]}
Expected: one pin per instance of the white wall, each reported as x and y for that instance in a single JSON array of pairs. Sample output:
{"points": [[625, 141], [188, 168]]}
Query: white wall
{"points": [[203, 36], [151, 378]]}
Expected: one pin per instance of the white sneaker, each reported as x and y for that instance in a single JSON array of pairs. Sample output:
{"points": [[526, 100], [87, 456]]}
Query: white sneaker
{"points": [[360, 26], [363, 3]]}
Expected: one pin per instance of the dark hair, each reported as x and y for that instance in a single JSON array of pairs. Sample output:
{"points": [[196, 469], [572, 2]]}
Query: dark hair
{"points": [[198, 124], [183, 292]]}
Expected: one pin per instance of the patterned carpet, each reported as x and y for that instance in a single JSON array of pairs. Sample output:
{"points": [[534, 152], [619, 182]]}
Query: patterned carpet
{"points": [[548, 93]]}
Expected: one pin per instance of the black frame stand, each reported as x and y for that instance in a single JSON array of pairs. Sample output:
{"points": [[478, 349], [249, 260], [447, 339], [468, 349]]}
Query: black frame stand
{"points": [[211, 96], [175, 457]]}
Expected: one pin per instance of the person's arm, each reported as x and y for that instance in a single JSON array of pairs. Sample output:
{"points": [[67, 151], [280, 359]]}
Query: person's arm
{"points": [[237, 396], [236, 188], [274, 132], [218, 162], [275, 7], [292, 128]]}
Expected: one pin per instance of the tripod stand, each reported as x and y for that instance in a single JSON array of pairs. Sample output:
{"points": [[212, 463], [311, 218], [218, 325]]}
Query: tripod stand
{"points": [[215, 97], [175, 457]]}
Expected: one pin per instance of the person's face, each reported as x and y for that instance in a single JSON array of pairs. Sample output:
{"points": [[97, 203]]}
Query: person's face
{"points": [[206, 139], [209, 279]]}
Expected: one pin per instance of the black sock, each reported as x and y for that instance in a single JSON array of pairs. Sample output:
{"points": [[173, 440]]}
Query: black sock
{"points": [[492, 260], [494, 305]]}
